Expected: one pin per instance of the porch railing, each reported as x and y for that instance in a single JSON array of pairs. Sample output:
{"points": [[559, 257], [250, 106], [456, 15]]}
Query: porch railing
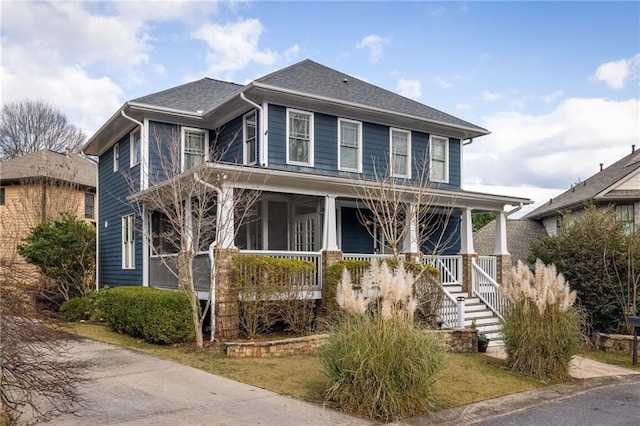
{"points": [[487, 290], [488, 264], [450, 268], [310, 256], [358, 256]]}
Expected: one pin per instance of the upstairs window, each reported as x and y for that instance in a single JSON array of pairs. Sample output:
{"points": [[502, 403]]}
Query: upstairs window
{"points": [[300, 138], [134, 141], [626, 214], [89, 201], [439, 158], [400, 153], [195, 144], [349, 145], [116, 157], [128, 242], [249, 135]]}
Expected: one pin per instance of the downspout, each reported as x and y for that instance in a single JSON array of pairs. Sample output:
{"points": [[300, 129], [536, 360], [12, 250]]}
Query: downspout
{"points": [[261, 123], [212, 246], [515, 210]]}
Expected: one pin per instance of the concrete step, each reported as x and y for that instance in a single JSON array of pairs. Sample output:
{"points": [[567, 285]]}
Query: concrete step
{"points": [[489, 320], [478, 314], [475, 307], [453, 288]]}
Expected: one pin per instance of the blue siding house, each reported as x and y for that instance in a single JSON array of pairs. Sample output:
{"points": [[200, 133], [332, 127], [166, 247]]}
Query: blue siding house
{"points": [[308, 137]]}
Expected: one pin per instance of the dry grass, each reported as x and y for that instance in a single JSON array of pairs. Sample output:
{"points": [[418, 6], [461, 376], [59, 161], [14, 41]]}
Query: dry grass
{"points": [[467, 378]]}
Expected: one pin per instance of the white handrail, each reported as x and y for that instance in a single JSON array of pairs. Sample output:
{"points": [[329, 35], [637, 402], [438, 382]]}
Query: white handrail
{"points": [[487, 290]]}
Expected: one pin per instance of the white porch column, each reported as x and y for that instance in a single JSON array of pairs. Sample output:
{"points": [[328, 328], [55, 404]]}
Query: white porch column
{"points": [[411, 237], [226, 228], [466, 234], [501, 234], [329, 229]]}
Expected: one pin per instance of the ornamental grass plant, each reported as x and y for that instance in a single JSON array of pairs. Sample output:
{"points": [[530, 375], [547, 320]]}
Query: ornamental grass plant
{"points": [[542, 327], [381, 365]]}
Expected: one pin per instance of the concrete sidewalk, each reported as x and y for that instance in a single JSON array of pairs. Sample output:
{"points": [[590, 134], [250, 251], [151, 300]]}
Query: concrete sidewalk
{"points": [[126, 387]]}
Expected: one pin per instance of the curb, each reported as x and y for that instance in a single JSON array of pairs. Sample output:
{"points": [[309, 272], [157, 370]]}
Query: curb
{"points": [[492, 408]]}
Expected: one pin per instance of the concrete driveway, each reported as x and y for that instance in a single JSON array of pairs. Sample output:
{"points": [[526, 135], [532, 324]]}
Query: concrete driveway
{"points": [[126, 387]]}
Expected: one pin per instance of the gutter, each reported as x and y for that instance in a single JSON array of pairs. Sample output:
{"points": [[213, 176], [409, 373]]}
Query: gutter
{"points": [[517, 209]]}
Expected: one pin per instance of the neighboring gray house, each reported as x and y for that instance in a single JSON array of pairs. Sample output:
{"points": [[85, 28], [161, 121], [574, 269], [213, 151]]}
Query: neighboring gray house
{"points": [[520, 234], [616, 186]]}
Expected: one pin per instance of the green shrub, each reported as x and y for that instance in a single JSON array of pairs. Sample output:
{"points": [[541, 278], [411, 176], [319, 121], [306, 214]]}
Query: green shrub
{"points": [[85, 308], [157, 316], [382, 369], [542, 328], [271, 289]]}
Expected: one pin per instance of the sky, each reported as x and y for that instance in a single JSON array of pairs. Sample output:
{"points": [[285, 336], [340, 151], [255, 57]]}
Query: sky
{"points": [[556, 83]]}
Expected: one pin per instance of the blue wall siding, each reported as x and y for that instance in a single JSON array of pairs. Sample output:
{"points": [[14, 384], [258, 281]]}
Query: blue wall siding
{"points": [[113, 189], [375, 150], [355, 237], [229, 140], [445, 237]]}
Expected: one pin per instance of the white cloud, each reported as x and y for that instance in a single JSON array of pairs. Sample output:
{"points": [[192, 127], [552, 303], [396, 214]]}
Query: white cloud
{"points": [[552, 97], [375, 44], [442, 83], [409, 88], [463, 107], [234, 46], [187, 11], [491, 96], [616, 73], [292, 52], [539, 196], [552, 150], [437, 12]]}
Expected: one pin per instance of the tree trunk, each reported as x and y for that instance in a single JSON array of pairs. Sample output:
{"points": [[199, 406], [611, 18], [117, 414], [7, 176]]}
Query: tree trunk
{"points": [[186, 284]]}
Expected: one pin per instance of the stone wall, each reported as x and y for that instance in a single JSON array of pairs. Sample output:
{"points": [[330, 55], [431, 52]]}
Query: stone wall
{"points": [[459, 340], [620, 343]]}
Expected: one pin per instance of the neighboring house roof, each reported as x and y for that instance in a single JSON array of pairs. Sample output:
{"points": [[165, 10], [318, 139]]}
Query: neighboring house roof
{"points": [[198, 96], [49, 164], [520, 234], [599, 187]]}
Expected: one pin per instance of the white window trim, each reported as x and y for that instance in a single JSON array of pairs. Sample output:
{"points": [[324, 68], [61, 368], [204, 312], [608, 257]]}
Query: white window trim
{"points": [[311, 131], [183, 132], [245, 151], [446, 158], [116, 157], [134, 154], [358, 168], [408, 133], [128, 243]]}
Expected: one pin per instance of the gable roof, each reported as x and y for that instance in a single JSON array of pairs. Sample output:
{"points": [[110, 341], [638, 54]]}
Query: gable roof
{"points": [[50, 164], [315, 79], [520, 235], [198, 96], [592, 189]]}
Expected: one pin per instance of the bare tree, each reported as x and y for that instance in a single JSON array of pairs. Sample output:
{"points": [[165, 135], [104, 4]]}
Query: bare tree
{"points": [[31, 125], [391, 206], [39, 379], [200, 209]]}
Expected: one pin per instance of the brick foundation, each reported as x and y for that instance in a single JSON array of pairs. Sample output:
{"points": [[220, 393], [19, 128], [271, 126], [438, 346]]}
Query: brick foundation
{"points": [[620, 343], [227, 320], [466, 271], [503, 268]]}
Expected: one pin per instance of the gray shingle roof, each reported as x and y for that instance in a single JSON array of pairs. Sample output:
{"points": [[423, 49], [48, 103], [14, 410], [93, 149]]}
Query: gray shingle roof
{"points": [[201, 95], [45, 163], [520, 235], [315, 79], [586, 191]]}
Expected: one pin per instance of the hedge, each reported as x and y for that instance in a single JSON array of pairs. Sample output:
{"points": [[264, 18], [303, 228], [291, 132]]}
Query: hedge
{"points": [[157, 316]]}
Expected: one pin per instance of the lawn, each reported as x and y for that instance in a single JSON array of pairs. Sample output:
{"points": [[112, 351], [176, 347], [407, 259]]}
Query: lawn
{"points": [[467, 378]]}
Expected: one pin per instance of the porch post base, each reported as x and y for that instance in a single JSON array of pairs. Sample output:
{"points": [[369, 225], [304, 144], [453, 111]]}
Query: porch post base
{"points": [[227, 310], [413, 257], [467, 259], [503, 268], [328, 304]]}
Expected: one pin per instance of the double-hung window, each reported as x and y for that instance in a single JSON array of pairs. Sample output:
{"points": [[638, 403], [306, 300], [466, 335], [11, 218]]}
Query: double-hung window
{"points": [[249, 135], [128, 242], [195, 146], [116, 157], [349, 145], [89, 204], [400, 153], [134, 143], [439, 158], [626, 213], [299, 137]]}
